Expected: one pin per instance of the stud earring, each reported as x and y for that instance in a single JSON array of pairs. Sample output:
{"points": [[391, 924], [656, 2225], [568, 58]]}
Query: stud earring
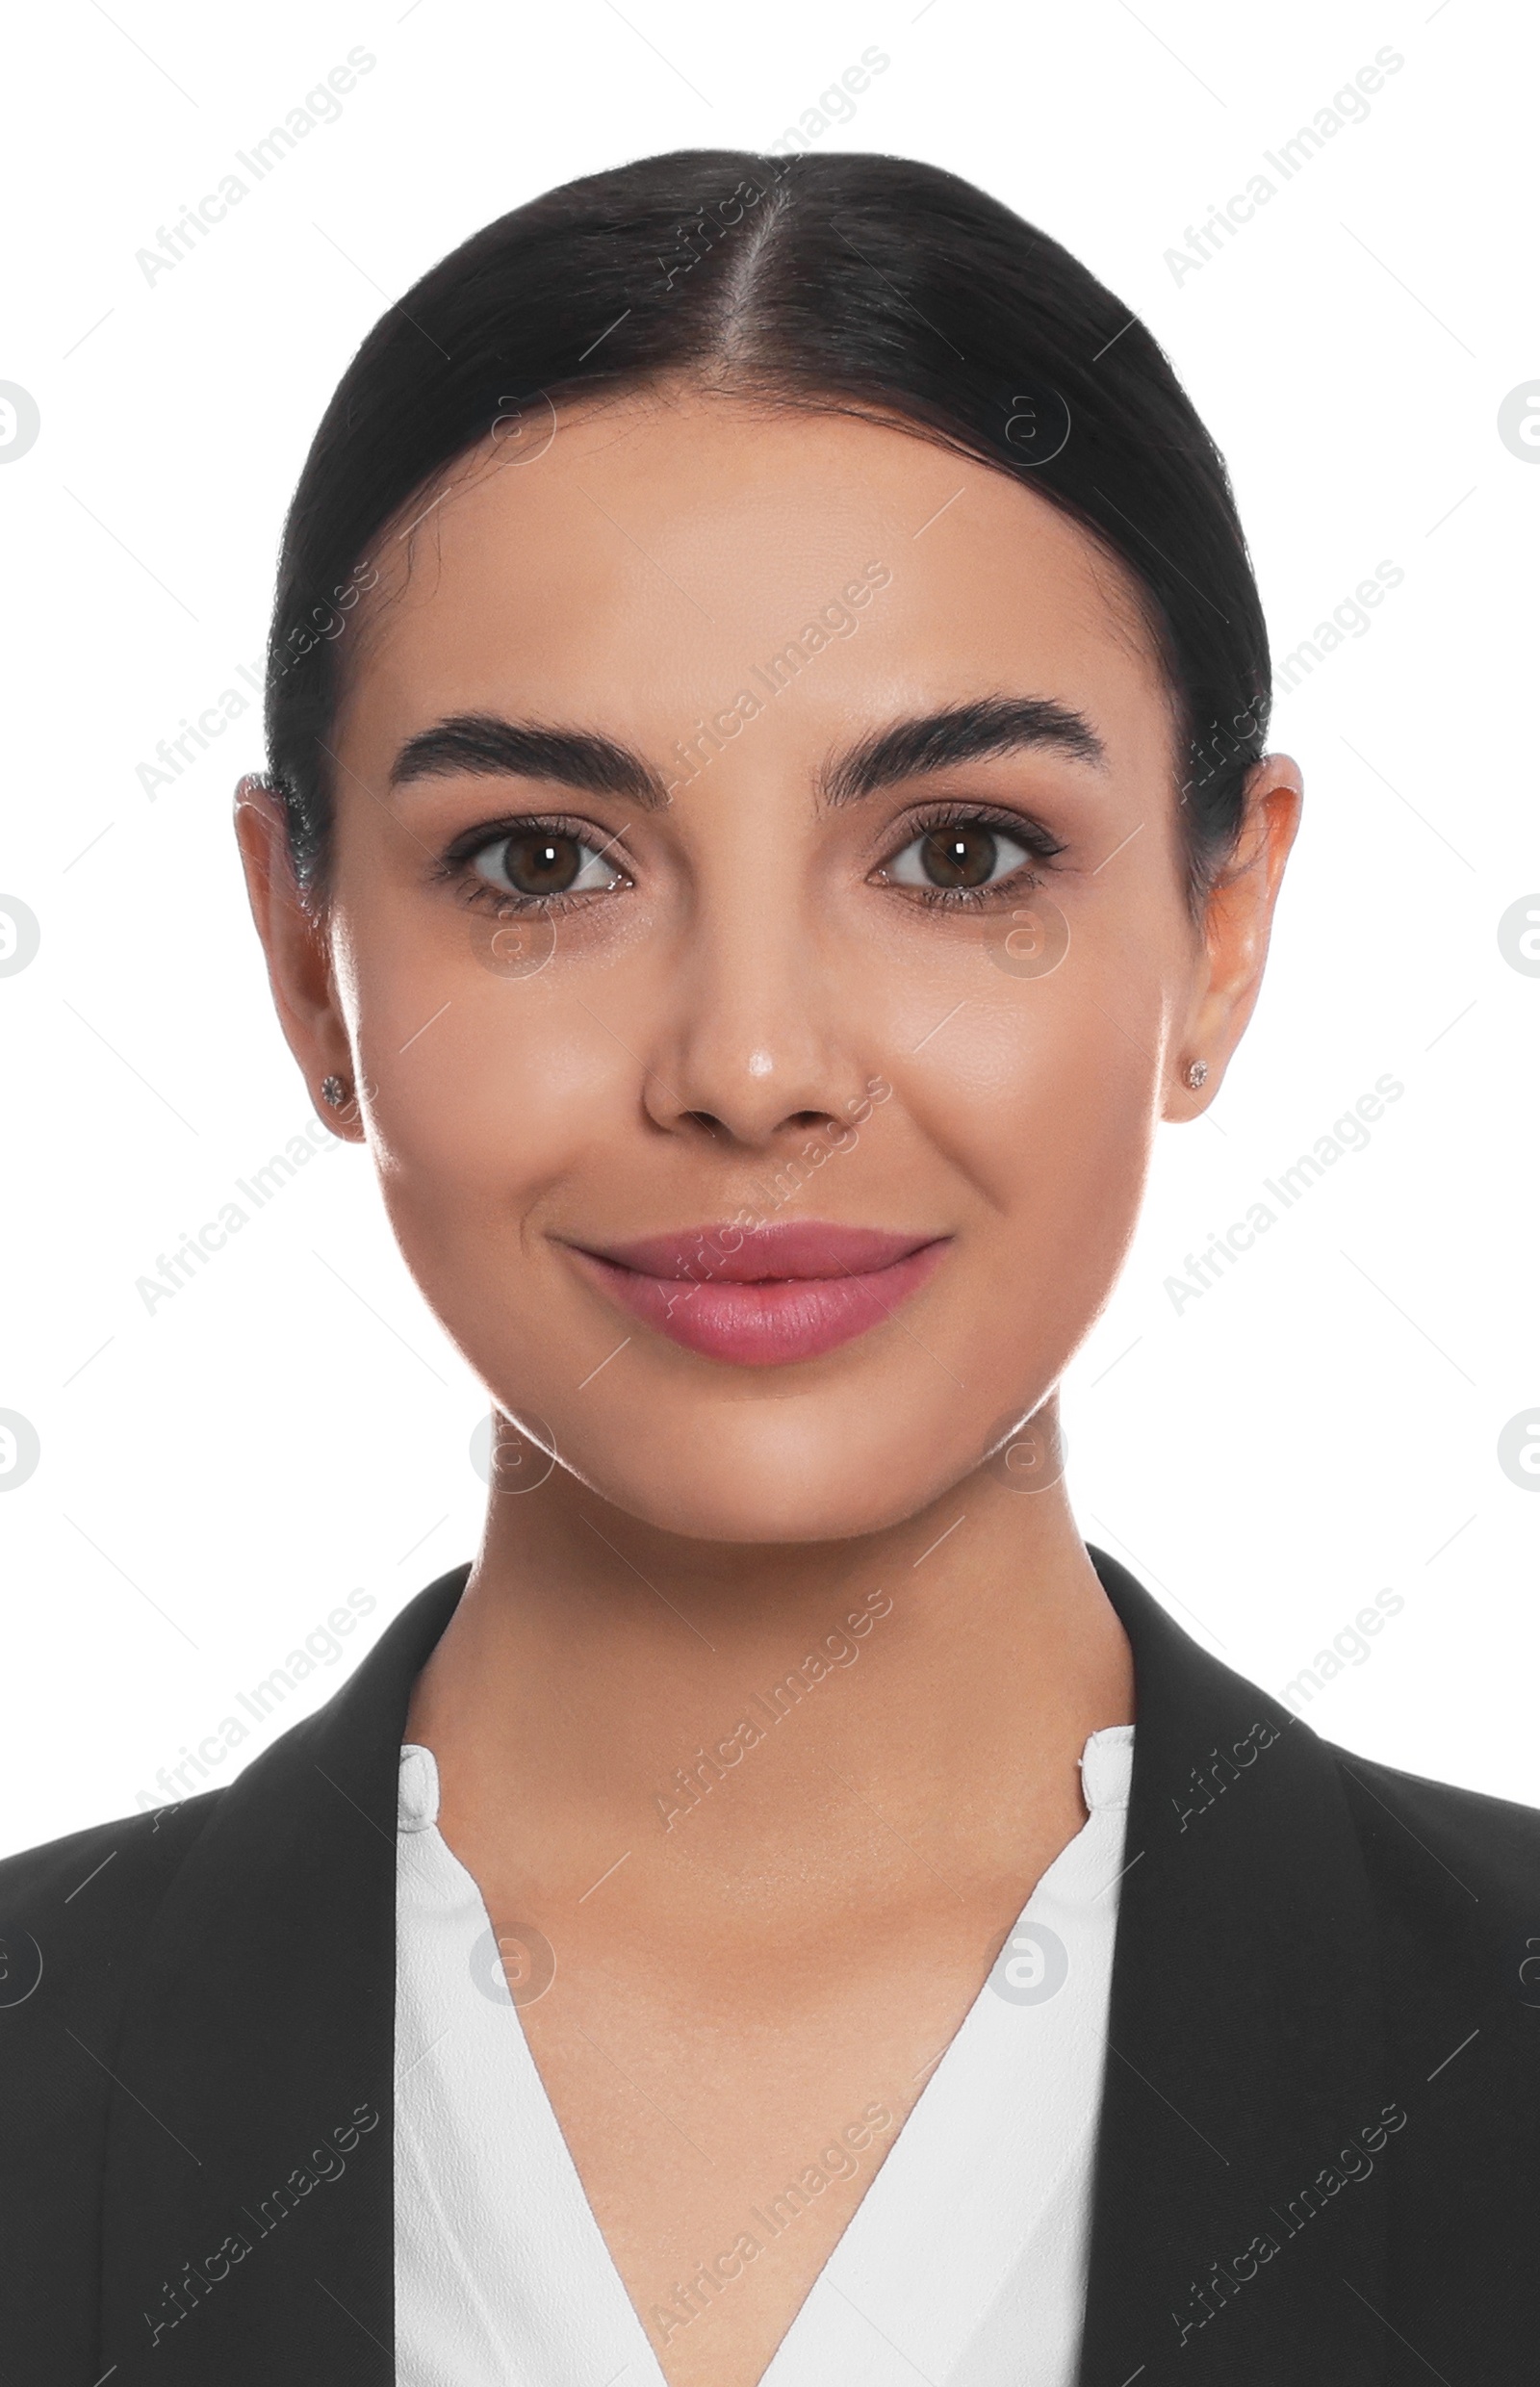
{"points": [[333, 1092], [1196, 1074]]}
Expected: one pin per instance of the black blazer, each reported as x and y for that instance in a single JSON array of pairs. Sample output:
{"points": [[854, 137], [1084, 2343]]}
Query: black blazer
{"points": [[1317, 2158]]}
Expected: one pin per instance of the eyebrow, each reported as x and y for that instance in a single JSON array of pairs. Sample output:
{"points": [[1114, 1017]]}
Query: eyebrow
{"points": [[985, 729], [487, 745], [978, 732]]}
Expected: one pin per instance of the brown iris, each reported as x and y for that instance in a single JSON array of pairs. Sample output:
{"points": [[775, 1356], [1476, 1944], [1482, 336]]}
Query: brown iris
{"points": [[542, 863], [960, 856]]}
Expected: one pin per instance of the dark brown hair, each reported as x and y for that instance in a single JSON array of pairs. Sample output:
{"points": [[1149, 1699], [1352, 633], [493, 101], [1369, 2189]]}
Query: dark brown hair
{"points": [[871, 284]]}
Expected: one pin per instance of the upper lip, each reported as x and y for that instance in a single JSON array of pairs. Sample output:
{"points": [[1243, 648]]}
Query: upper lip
{"points": [[788, 1248]]}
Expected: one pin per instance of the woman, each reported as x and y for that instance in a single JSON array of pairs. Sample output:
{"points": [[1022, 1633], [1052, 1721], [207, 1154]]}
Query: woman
{"points": [[768, 811]]}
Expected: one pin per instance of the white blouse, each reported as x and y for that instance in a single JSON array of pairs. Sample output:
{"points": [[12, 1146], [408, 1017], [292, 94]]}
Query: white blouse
{"points": [[966, 2254]]}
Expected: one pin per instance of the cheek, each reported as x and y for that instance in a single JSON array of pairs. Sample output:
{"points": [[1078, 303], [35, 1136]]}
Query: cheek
{"points": [[1046, 1103], [489, 1091]]}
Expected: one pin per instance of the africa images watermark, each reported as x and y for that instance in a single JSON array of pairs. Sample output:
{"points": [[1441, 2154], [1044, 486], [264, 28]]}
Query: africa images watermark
{"points": [[1215, 1771], [325, 620], [697, 235], [196, 2283], [838, 618], [1353, 2162], [688, 1783], [687, 2300], [1347, 1134], [1349, 1647], [176, 1271], [322, 1647], [1348, 106], [836, 105], [323, 105], [1218, 748], [176, 755], [1349, 619], [790, 1179]]}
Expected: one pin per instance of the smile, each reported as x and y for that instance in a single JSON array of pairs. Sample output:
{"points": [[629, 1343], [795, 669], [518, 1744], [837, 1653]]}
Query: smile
{"points": [[765, 1296]]}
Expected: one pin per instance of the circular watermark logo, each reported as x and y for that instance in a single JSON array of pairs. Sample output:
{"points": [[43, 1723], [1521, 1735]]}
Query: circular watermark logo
{"points": [[523, 427], [19, 1449], [1518, 936], [1032, 1967], [19, 934], [515, 1961], [19, 421], [1530, 1972], [513, 948], [1036, 424], [1519, 421], [21, 1966], [520, 1458], [1519, 1449], [1031, 1457], [1033, 941]]}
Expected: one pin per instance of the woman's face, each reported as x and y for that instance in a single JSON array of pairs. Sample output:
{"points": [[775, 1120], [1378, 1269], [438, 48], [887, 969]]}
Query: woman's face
{"points": [[843, 890]]}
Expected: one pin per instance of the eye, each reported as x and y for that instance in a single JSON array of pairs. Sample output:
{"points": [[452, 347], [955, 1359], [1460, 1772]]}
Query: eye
{"points": [[963, 857], [541, 860]]}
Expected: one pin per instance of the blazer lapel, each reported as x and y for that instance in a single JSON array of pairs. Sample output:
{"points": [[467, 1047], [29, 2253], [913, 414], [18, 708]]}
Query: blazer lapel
{"points": [[247, 2228], [1239, 2220]]}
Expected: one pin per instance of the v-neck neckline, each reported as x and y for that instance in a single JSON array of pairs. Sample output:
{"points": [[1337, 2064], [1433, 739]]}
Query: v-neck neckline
{"points": [[995, 2147], [248, 2001]]}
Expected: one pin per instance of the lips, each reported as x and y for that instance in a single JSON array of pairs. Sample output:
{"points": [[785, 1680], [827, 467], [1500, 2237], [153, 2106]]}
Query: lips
{"points": [[765, 1296]]}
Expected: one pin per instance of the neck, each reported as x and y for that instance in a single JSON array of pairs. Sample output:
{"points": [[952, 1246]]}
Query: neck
{"points": [[601, 1678]]}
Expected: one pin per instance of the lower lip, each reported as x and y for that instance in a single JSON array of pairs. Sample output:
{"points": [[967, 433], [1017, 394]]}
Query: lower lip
{"points": [[771, 1323]]}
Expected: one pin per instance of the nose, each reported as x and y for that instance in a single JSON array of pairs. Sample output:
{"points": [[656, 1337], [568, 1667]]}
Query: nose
{"points": [[756, 1048]]}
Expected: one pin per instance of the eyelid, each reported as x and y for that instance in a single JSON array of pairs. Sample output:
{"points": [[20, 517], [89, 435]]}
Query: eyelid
{"points": [[473, 842], [1023, 828]]}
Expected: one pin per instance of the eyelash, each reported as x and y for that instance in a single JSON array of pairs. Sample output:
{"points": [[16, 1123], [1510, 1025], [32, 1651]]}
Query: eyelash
{"points": [[455, 866]]}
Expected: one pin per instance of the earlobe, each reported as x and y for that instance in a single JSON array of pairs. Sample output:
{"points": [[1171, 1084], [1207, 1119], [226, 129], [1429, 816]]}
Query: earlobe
{"points": [[1189, 1080]]}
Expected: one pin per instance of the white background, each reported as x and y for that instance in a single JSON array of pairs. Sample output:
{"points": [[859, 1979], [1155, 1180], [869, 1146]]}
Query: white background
{"points": [[216, 1477]]}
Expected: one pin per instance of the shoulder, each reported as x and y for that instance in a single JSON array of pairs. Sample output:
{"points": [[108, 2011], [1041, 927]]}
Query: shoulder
{"points": [[1455, 1878], [74, 1914], [74, 1918], [54, 1873], [73, 1911], [1495, 1841]]}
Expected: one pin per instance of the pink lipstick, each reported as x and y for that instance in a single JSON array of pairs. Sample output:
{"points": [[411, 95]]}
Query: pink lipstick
{"points": [[765, 1296]]}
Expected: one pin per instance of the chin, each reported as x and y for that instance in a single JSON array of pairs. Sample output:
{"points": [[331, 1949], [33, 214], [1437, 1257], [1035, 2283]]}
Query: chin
{"points": [[748, 1474]]}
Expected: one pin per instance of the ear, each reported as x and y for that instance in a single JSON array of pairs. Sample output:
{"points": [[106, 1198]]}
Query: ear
{"points": [[298, 945], [1236, 924]]}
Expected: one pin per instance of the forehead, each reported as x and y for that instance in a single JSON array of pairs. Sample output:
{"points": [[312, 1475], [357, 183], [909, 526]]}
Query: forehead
{"points": [[665, 543]]}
